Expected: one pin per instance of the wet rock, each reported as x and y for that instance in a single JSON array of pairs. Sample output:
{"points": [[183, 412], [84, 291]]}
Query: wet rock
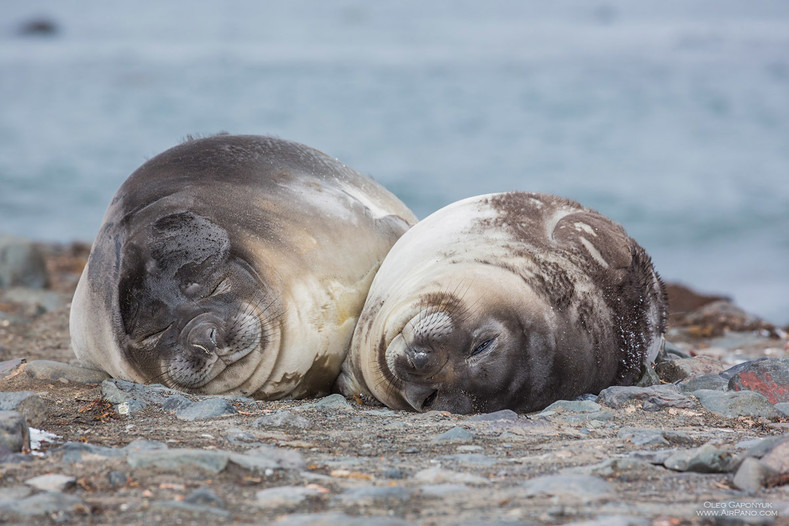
{"points": [[778, 457], [333, 401], [334, 518], [705, 459], [26, 403], [456, 434], [46, 503], [368, 495], [504, 414], [654, 397], [752, 474], [21, 264], [439, 475], [284, 496], [441, 490], [51, 482], [674, 370], [204, 497], [572, 487], [282, 418], [732, 404], [14, 433], [769, 377], [711, 381], [53, 371], [175, 459], [204, 409], [8, 367]]}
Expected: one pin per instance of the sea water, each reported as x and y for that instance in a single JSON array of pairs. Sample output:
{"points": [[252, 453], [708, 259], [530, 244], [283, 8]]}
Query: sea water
{"points": [[671, 117]]}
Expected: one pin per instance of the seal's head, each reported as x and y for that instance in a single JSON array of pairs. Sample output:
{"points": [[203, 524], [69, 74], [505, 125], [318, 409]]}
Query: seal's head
{"points": [[190, 308]]}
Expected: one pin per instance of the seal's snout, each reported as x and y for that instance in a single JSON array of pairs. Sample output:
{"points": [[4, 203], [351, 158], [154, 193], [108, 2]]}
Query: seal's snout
{"points": [[203, 337], [418, 357]]}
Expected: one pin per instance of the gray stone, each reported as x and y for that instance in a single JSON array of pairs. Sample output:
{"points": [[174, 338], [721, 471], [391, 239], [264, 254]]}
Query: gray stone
{"points": [[573, 487], [456, 434], [174, 459], [615, 467], [752, 474], [282, 418], [154, 393], [441, 490], [14, 493], [437, 475], [656, 396], [51, 482], [21, 264], [239, 437], [194, 509], [204, 497], [204, 409], [646, 436], [674, 370], [283, 458], [758, 447], [116, 478], [736, 403], [14, 433], [143, 445], [778, 457], [36, 301], [712, 381], [175, 402], [769, 377], [45, 503], [731, 371], [336, 518], [705, 459], [783, 407], [53, 371], [648, 377], [367, 495], [504, 414], [284, 496], [8, 367], [26, 403], [72, 452], [571, 406], [476, 459], [333, 401], [657, 457], [393, 473]]}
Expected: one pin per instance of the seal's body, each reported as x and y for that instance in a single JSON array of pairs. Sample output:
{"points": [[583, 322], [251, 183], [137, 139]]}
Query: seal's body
{"points": [[509, 300], [234, 264]]}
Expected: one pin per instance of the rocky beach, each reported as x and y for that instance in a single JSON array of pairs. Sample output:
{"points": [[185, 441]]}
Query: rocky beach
{"points": [[703, 438]]}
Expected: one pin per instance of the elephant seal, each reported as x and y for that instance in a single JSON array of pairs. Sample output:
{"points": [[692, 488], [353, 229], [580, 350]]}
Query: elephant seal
{"points": [[510, 300], [234, 264]]}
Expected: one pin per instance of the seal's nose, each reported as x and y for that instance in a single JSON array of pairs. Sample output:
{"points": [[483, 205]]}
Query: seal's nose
{"points": [[418, 356], [203, 337]]}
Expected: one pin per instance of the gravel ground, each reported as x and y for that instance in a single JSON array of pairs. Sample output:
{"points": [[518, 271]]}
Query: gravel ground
{"points": [[116, 453]]}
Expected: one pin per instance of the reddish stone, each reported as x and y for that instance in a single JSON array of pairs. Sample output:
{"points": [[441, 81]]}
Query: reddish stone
{"points": [[768, 377]]}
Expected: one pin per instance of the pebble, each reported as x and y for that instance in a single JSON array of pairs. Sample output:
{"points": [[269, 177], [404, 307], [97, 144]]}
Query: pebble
{"points": [[711, 381], [46, 503], [54, 371], [654, 397], [175, 402], [778, 457], [732, 404], [504, 414], [116, 478], [204, 497], [648, 377], [441, 490], [675, 370], [26, 403], [154, 393], [284, 496], [21, 264], [72, 452], [393, 473], [705, 459], [573, 487], [334, 518], [204, 409], [368, 495], [8, 367], [769, 377], [14, 433], [456, 434], [437, 475], [752, 474], [175, 459], [282, 418], [333, 401], [657, 457], [51, 482]]}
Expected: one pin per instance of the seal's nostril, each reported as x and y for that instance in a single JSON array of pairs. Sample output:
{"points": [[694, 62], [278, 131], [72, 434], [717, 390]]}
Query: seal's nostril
{"points": [[417, 357]]}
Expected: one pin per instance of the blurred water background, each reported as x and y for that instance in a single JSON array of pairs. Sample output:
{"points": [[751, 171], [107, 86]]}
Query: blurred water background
{"points": [[670, 116]]}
